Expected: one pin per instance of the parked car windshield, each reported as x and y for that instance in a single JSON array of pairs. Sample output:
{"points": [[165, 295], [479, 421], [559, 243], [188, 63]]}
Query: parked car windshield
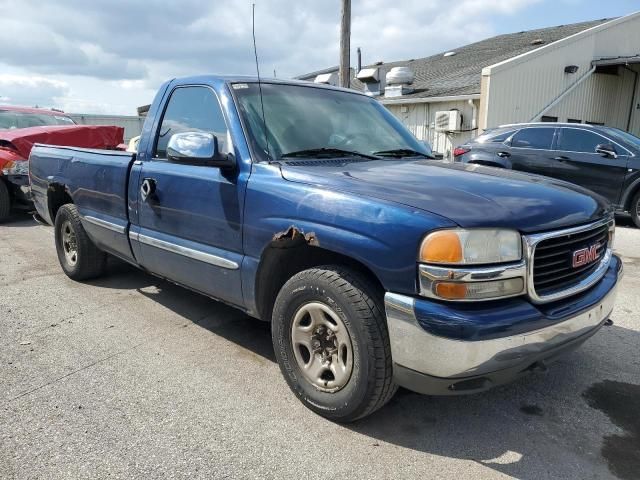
{"points": [[301, 118], [10, 120], [623, 136]]}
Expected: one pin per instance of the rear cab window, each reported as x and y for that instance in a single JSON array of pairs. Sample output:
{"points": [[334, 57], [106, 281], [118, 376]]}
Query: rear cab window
{"points": [[535, 138]]}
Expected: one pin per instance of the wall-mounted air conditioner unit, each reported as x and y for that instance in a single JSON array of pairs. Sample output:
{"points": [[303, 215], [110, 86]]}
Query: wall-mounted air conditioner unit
{"points": [[449, 121]]}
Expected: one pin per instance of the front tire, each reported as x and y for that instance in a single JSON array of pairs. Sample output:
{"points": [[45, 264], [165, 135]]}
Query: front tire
{"points": [[78, 256], [634, 210], [5, 201], [331, 341]]}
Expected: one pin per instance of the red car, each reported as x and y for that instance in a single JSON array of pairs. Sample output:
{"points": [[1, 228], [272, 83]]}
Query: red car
{"points": [[21, 128]]}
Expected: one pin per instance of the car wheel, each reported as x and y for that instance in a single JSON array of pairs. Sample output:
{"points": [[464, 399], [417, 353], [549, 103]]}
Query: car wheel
{"points": [[331, 341], [634, 210], [78, 256], [5, 201]]}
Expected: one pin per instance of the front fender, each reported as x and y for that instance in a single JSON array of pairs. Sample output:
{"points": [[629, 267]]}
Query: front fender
{"points": [[383, 236]]}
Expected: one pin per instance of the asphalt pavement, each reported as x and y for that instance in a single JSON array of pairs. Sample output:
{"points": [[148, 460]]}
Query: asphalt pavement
{"points": [[129, 376]]}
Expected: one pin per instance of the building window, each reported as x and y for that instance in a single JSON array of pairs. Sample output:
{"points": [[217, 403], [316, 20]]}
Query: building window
{"points": [[546, 118], [573, 120], [601, 124]]}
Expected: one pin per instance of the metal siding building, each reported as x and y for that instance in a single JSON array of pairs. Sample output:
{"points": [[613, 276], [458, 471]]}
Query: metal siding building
{"points": [[132, 124], [601, 91], [420, 119], [519, 77]]}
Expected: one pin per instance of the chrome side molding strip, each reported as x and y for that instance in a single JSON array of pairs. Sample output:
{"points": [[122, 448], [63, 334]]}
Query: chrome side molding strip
{"points": [[114, 227], [185, 251]]}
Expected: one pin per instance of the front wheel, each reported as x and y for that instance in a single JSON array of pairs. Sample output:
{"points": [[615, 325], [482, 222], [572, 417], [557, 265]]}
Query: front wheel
{"points": [[331, 342], [78, 256], [634, 210]]}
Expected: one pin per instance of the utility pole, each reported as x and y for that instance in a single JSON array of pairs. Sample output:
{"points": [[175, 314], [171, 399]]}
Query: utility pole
{"points": [[345, 44]]}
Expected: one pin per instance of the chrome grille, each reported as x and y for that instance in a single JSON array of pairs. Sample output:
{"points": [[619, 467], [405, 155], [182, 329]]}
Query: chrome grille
{"points": [[553, 269]]}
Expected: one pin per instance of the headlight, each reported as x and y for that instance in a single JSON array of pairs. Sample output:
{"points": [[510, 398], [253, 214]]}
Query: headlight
{"points": [[16, 168], [471, 247], [472, 265]]}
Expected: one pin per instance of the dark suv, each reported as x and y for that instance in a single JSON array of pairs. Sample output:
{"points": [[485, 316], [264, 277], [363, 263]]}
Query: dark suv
{"points": [[605, 160]]}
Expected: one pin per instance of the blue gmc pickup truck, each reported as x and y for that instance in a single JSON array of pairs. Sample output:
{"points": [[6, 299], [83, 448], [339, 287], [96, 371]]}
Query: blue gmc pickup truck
{"points": [[313, 208]]}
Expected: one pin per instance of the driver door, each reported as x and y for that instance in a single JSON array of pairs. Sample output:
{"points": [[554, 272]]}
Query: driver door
{"points": [[190, 216]]}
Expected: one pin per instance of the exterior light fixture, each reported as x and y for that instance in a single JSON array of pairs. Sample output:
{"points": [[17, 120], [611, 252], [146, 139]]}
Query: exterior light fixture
{"points": [[571, 69]]}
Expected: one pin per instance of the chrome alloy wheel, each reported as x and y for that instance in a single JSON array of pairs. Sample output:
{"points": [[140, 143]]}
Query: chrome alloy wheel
{"points": [[69, 243], [322, 347]]}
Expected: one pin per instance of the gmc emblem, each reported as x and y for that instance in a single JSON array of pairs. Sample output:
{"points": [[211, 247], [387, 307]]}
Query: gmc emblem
{"points": [[585, 256]]}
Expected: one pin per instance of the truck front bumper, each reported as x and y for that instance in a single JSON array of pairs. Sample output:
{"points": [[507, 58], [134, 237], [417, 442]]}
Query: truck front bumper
{"points": [[492, 355]]}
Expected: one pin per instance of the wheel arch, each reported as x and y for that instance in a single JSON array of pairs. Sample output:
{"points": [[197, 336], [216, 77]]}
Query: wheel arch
{"points": [[629, 194], [287, 256], [58, 195]]}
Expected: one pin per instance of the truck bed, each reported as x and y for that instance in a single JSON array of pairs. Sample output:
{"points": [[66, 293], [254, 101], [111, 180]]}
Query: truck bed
{"points": [[97, 180]]}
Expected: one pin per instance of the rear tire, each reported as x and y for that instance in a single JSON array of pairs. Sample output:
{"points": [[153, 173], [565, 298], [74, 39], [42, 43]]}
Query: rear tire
{"points": [[634, 210], [351, 314], [78, 256], [5, 201]]}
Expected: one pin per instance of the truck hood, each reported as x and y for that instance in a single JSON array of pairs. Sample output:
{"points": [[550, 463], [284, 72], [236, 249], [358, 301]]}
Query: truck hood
{"points": [[469, 195]]}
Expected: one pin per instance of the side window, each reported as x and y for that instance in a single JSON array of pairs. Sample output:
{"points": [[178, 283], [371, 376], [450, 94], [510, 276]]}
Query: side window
{"points": [[494, 136], [539, 138], [576, 140], [190, 109], [501, 137]]}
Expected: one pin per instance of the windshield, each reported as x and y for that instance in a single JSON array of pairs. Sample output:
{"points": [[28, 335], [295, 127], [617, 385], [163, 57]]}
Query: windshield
{"points": [[623, 136], [10, 120], [301, 118]]}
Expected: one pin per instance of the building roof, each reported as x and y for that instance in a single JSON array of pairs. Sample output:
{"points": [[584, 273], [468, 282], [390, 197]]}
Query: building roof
{"points": [[460, 74]]}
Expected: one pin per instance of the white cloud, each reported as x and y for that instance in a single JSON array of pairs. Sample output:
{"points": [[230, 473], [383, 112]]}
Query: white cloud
{"points": [[31, 90], [112, 54]]}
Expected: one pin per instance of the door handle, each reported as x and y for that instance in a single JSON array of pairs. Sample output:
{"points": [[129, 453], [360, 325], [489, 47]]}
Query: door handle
{"points": [[147, 188], [561, 158], [503, 154]]}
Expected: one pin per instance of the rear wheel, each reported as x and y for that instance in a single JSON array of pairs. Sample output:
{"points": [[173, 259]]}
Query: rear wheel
{"points": [[78, 256], [331, 342], [634, 210], [5, 201]]}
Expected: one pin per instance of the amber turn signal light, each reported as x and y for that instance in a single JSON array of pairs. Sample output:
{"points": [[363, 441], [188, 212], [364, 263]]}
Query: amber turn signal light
{"points": [[441, 247]]}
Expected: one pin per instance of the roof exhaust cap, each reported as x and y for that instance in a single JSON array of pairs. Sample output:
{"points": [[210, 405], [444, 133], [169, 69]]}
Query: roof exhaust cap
{"points": [[399, 76], [373, 84], [398, 80], [327, 79]]}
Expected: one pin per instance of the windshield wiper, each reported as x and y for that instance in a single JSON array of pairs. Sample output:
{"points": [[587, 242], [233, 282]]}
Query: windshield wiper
{"points": [[326, 152], [401, 152]]}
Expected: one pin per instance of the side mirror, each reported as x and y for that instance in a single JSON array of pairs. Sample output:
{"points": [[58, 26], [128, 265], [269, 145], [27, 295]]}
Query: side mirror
{"points": [[607, 150], [197, 148]]}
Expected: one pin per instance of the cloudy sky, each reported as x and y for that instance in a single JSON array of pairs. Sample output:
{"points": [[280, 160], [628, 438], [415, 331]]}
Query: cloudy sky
{"points": [[109, 56]]}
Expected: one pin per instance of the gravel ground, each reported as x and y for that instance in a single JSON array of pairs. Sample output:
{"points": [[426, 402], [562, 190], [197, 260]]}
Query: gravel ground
{"points": [[131, 377]]}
